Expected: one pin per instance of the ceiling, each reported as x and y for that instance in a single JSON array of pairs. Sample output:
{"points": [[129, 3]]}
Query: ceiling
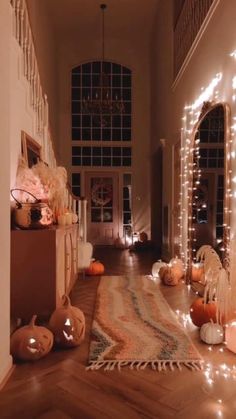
{"points": [[124, 19]]}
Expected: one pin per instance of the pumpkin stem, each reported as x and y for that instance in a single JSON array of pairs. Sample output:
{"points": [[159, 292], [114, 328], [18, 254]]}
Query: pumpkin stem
{"points": [[32, 321], [66, 301]]}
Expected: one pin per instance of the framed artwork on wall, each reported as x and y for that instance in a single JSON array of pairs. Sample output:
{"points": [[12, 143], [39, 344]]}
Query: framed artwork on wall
{"points": [[31, 149]]}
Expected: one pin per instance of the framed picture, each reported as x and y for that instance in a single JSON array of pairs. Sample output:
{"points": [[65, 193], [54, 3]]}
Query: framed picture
{"points": [[31, 149]]}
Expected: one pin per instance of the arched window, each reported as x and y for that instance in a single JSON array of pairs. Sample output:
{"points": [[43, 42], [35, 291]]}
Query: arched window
{"points": [[88, 82]]}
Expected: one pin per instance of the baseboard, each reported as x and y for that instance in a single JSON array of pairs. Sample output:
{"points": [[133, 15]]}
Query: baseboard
{"points": [[7, 373]]}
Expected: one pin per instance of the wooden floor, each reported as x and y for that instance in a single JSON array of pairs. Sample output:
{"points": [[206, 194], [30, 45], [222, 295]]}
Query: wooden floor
{"points": [[58, 387]]}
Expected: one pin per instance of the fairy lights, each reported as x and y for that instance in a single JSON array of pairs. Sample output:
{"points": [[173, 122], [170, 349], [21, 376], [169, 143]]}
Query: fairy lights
{"points": [[191, 173]]}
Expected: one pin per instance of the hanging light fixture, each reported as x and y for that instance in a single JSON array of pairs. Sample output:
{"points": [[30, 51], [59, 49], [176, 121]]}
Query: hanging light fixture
{"points": [[103, 105]]}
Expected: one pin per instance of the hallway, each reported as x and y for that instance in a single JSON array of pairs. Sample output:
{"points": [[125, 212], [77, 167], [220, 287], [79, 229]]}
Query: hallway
{"points": [[58, 387]]}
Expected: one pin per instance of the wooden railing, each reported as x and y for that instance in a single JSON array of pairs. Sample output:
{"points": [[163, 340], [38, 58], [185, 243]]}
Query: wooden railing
{"points": [[38, 99], [23, 34], [187, 27]]}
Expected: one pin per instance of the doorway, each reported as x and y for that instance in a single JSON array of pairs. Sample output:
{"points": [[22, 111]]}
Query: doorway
{"points": [[204, 211], [102, 192]]}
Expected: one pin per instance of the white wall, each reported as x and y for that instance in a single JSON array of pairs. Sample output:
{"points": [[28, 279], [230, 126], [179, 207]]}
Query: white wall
{"points": [[135, 56], [161, 118], [210, 57], [5, 24]]}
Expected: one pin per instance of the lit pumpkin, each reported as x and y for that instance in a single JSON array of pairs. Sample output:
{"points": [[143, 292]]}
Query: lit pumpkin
{"points": [[230, 336], [197, 273], [31, 342], [67, 324], [95, 268], [212, 333], [202, 313], [156, 267], [167, 276], [143, 237]]}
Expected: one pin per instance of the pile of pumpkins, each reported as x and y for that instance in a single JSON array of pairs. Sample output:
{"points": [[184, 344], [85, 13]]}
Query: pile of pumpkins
{"points": [[66, 329], [203, 315], [169, 273]]}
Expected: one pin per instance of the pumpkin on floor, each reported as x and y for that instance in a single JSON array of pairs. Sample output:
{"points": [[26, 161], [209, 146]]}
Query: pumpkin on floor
{"points": [[212, 333], [177, 268], [167, 276], [143, 237], [31, 342], [157, 266], [201, 312], [95, 268], [67, 324], [197, 272]]}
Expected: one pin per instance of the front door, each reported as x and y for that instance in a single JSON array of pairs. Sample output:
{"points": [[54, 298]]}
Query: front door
{"points": [[102, 192]]}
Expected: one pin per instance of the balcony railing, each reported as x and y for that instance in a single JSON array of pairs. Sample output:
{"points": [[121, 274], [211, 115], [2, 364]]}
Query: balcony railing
{"points": [[188, 24]]}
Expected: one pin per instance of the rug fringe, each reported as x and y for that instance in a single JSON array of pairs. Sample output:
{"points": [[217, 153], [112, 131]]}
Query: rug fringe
{"points": [[159, 365]]}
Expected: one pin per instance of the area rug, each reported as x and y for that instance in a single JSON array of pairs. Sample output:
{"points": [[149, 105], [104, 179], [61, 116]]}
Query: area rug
{"points": [[134, 326]]}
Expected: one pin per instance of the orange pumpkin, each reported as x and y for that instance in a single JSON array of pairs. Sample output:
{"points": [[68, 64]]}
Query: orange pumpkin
{"points": [[95, 268], [167, 276], [31, 342], [202, 313], [143, 237], [197, 273], [67, 324]]}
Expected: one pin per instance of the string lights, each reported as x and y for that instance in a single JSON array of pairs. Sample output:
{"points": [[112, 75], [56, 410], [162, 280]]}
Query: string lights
{"points": [[191, 173], [219, 375]]}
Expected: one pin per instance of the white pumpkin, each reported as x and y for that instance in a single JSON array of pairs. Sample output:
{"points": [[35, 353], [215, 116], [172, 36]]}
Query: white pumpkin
{"points": [[212, 333], [157, 266]]}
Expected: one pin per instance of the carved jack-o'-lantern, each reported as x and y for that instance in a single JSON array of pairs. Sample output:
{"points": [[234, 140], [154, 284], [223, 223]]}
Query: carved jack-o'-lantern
{"points": [[67, 324], [31, 342]]}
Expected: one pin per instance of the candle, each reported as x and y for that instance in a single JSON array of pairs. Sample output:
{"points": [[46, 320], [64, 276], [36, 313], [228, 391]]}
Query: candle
{"points": [[197, 272]]}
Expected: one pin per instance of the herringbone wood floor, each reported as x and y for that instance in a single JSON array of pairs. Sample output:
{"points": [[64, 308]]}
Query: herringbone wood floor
{"points": [[58, 387]]}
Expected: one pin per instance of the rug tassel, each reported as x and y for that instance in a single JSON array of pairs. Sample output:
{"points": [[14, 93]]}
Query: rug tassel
{"points": [[171, 366], [144, 365], [159, 366], [141, 365], [153, 365], [179, 366]]}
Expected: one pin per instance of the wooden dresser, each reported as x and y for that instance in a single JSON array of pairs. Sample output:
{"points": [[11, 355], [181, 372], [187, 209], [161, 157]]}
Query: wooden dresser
{"points": [[43, 268]]}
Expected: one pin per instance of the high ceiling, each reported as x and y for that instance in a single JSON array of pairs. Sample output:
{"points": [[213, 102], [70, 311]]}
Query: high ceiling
{"points": [[125, 19]]}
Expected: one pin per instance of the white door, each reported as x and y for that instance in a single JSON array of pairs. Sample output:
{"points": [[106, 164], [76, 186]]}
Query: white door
{"points": [[102, 192]]}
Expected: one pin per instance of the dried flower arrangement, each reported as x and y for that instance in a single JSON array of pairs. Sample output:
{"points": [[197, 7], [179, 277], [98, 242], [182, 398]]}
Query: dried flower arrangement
{"points": [[45, 183], [54, 180], [217, 284]]}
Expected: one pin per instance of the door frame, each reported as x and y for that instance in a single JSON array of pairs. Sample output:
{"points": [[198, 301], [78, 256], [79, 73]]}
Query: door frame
{"points": [[105, 173]]}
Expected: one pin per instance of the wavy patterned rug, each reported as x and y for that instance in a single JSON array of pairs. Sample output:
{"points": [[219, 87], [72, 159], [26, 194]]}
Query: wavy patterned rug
{"points": [[134, 325]]}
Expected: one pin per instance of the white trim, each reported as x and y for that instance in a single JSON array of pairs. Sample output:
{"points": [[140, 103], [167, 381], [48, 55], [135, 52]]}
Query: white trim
{"points": [[5, 371], [195, 43]]}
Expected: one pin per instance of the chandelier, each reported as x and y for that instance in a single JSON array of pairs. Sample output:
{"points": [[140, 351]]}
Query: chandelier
{"points": [[103, 105]]}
